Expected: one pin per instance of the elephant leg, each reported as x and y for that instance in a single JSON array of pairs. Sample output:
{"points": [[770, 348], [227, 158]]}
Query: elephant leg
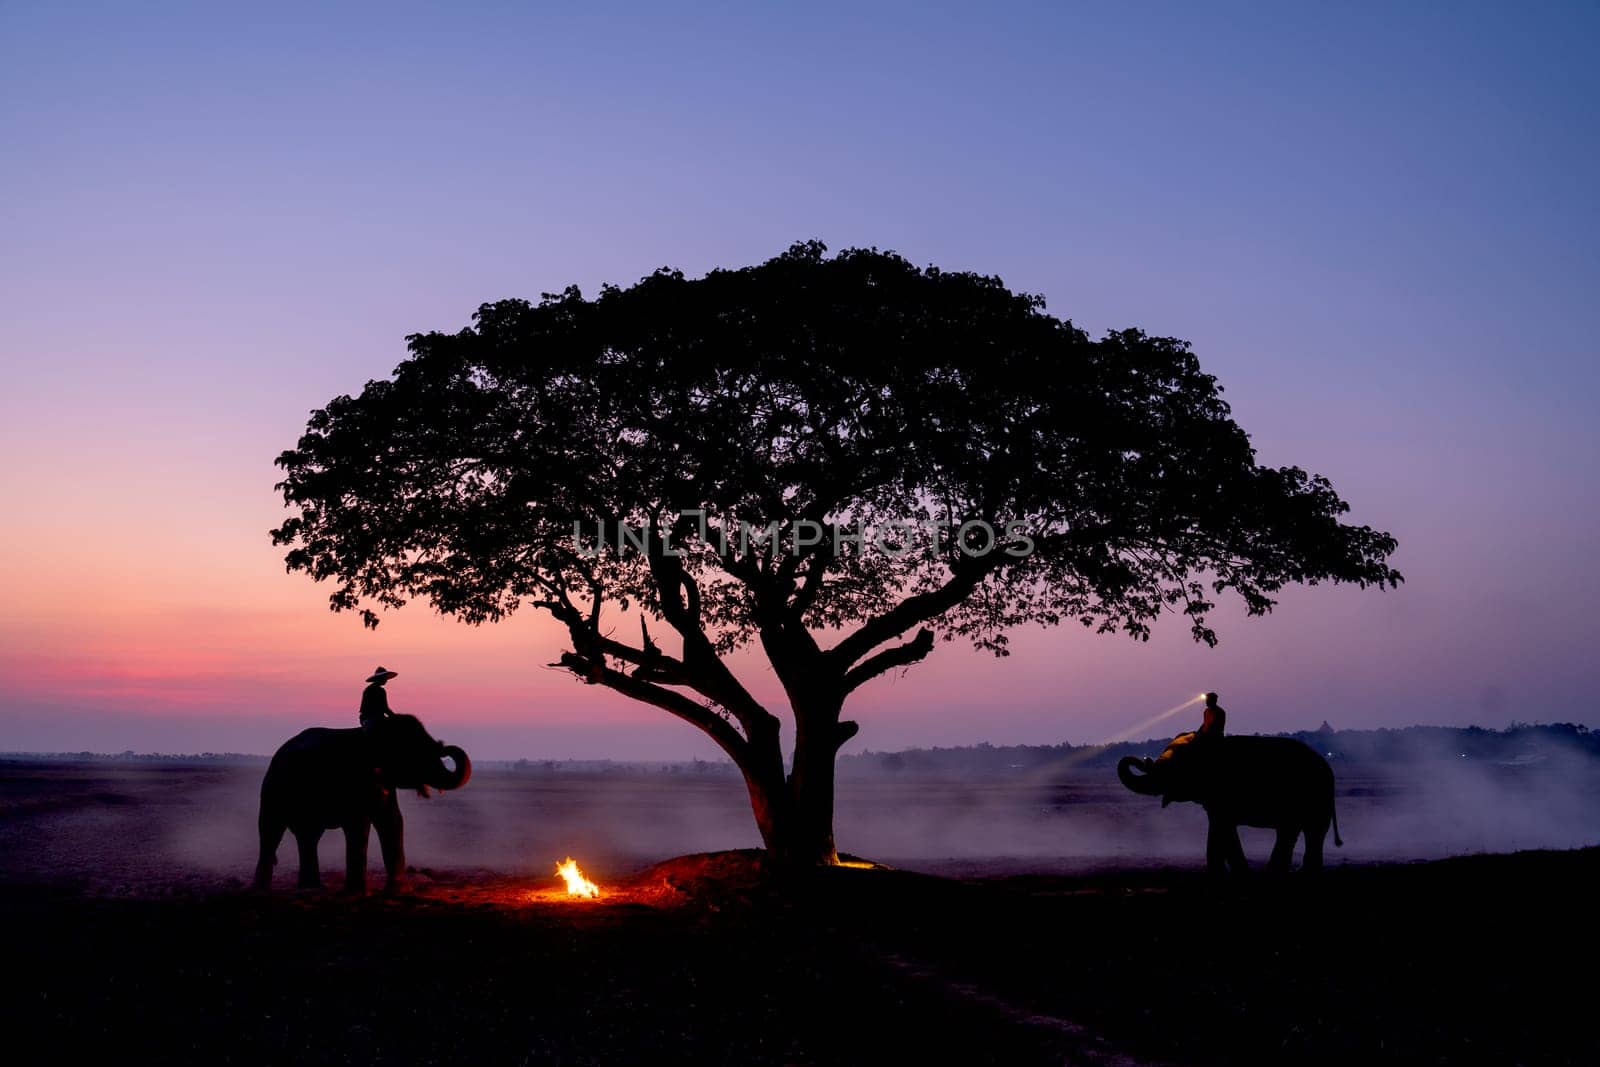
{"points": [[1222, 840], [1235, 852], [1283, 850], [355, 857], [272, 832], [1314, 835], [392, 840], [306, 838]]}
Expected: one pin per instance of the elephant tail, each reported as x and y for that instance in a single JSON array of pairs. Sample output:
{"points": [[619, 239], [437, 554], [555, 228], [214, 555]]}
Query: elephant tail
{"points": [[1333, 809]]}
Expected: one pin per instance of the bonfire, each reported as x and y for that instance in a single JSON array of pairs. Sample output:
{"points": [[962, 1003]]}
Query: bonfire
{"points": [[577, 884]]}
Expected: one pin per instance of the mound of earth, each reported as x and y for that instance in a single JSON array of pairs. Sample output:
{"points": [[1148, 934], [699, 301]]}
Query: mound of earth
{"points": [[735, 877]]}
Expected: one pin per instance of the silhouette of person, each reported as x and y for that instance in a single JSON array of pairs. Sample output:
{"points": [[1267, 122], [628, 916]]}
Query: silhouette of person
{"points": [[374, 701], [1213, 721]]}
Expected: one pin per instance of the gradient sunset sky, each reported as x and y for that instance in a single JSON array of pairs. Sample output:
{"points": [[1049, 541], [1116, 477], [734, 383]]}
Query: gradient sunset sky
{"points": [[1377, 225]]}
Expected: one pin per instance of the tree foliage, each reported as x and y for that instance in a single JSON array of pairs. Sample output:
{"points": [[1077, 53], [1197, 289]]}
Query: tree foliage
{"points": [[853, 392]]}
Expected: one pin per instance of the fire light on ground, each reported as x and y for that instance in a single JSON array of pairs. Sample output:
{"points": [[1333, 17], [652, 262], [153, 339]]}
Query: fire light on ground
{"points": [[577, 884]]}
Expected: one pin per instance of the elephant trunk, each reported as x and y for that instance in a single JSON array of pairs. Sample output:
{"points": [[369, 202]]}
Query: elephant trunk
{"points": [[1135, 774], [457, 778]]}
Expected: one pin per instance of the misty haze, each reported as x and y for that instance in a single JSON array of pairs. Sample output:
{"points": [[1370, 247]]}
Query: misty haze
{"points": [[140, 826]]}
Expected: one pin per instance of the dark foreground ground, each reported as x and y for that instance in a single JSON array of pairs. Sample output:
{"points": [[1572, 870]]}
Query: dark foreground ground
{"points": [[1480, 960], [1476, 960]]}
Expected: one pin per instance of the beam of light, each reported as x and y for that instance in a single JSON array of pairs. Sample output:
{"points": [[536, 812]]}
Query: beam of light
{"points": [[1127, 734], [1124, 735]]}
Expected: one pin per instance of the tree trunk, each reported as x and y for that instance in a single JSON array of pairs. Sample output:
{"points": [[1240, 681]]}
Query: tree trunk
{"points": [[795, 814], [810, 839]]}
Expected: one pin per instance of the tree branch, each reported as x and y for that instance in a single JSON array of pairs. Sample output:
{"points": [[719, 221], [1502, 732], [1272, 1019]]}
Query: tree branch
{"points": [[720, 730], [889, 659], [965, 576], [679, 598], [811, 583]]}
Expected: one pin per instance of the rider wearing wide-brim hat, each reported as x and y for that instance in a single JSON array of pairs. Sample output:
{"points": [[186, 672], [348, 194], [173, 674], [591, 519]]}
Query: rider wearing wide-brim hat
{"points": [[374, 700]]}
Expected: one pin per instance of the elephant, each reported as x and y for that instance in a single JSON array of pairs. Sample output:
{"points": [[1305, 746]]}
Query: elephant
{"points": [[325, 779], [1274, 782]]}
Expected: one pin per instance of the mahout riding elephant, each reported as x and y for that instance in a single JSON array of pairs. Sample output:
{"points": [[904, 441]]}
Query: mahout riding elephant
{"points": [[1242, 780], [323, 779]]}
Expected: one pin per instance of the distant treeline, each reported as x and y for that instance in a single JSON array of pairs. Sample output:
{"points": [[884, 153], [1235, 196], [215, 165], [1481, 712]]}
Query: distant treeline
{"points": [[1518, 743], [138, 757], [608, 766]]}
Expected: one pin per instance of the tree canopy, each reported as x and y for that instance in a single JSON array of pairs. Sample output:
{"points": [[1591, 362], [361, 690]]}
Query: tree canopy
{"points": [[909, 449]]}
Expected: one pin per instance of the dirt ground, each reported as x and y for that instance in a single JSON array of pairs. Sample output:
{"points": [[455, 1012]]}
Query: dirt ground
{"points": [[130, 936]]}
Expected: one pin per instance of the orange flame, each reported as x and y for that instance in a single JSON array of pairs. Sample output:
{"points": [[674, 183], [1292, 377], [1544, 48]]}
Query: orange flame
{"points": [[577, 884]]}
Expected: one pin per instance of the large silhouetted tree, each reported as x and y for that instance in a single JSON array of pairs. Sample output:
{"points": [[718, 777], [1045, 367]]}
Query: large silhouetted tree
{"points": [[840, 459]]}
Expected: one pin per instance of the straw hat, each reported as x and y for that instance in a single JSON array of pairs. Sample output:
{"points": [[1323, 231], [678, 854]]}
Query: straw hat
{"points": [[381, 675]]}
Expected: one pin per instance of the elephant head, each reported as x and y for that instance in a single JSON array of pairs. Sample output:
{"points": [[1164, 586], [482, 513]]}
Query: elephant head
{"points": [[407, 757], [1179, 773]]}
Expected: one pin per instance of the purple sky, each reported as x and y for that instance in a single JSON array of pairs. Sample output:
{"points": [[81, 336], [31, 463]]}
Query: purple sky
{"points": [[1378, 228]]}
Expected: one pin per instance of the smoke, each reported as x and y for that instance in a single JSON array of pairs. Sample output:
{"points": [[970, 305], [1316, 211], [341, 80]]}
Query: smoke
{"points": [[137, 828], [1435, 806], [1072, 815], [507, 822]]}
